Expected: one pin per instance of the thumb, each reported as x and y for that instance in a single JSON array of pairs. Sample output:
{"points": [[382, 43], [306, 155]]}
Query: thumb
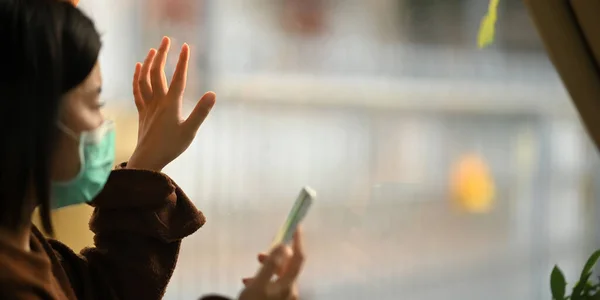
{"points": [[200, 112]]}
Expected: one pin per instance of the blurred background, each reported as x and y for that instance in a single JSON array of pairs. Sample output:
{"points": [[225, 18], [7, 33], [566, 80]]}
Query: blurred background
{"points": [[443, 171]]}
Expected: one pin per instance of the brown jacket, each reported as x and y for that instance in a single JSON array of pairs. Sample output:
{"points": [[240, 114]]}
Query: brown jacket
{"points": [[139, 220]]}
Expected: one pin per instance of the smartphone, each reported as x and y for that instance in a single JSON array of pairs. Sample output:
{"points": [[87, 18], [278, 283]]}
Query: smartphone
{"points": [[297, 213]]}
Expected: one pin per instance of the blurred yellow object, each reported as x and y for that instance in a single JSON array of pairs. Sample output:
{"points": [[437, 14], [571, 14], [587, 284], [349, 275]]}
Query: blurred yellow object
{"points": [[488, 24], [472, 184]]}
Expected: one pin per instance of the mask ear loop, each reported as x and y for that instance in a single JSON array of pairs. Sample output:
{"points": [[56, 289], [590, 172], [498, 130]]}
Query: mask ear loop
{"points": [[62, 127], [67, 130]]}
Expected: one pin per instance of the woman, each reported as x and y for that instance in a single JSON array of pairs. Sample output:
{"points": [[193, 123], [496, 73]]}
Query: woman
{"points": [[58, 151]]}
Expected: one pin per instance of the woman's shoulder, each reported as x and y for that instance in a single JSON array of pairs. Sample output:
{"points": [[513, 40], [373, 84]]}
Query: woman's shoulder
{"points": [[28, 274]]}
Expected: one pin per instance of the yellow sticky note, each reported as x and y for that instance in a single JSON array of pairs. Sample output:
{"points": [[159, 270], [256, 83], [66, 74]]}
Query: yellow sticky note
{"points": [[488, 24]]}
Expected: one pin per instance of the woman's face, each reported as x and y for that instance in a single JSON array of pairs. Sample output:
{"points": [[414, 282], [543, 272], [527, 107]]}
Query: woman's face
{"points": [[80, 111]]}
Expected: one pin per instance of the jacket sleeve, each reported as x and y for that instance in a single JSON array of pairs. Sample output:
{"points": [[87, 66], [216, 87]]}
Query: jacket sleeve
{"points": [[139, 220]]}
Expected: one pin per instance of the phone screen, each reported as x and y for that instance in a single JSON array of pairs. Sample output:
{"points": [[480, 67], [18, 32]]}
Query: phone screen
{"points": [[297, 213]]}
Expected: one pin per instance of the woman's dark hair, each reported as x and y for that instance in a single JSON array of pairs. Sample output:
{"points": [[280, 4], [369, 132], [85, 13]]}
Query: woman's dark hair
{"points": [[47, 48]]}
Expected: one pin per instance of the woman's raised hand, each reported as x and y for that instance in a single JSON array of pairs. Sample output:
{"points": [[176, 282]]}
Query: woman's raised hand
{"points": [[163, 132]]}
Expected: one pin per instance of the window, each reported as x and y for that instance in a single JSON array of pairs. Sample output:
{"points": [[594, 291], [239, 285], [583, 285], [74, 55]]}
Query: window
{"points": [[515, 30], [434, 22]]}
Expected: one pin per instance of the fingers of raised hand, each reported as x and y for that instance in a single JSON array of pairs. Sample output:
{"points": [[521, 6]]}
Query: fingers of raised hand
{"points": [[151, 80], [179, 79], [157, 69], [144, 80], [150, 89], [137, 93]]}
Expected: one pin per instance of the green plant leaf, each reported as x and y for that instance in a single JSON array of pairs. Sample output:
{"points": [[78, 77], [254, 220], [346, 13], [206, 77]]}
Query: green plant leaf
{"points": [[589, 288], [557, 284], [579, 290], [587, 269]]}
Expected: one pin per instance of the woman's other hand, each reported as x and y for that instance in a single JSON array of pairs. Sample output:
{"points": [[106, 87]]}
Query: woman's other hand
{"points": [[163, 133], [283, 263]]}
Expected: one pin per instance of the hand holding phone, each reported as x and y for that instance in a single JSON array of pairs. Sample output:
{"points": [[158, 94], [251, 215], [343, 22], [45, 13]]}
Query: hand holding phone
{"points": [[278, 262]]}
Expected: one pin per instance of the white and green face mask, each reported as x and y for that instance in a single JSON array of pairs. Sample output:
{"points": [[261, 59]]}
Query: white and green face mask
{"points": [[97, 156]]}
